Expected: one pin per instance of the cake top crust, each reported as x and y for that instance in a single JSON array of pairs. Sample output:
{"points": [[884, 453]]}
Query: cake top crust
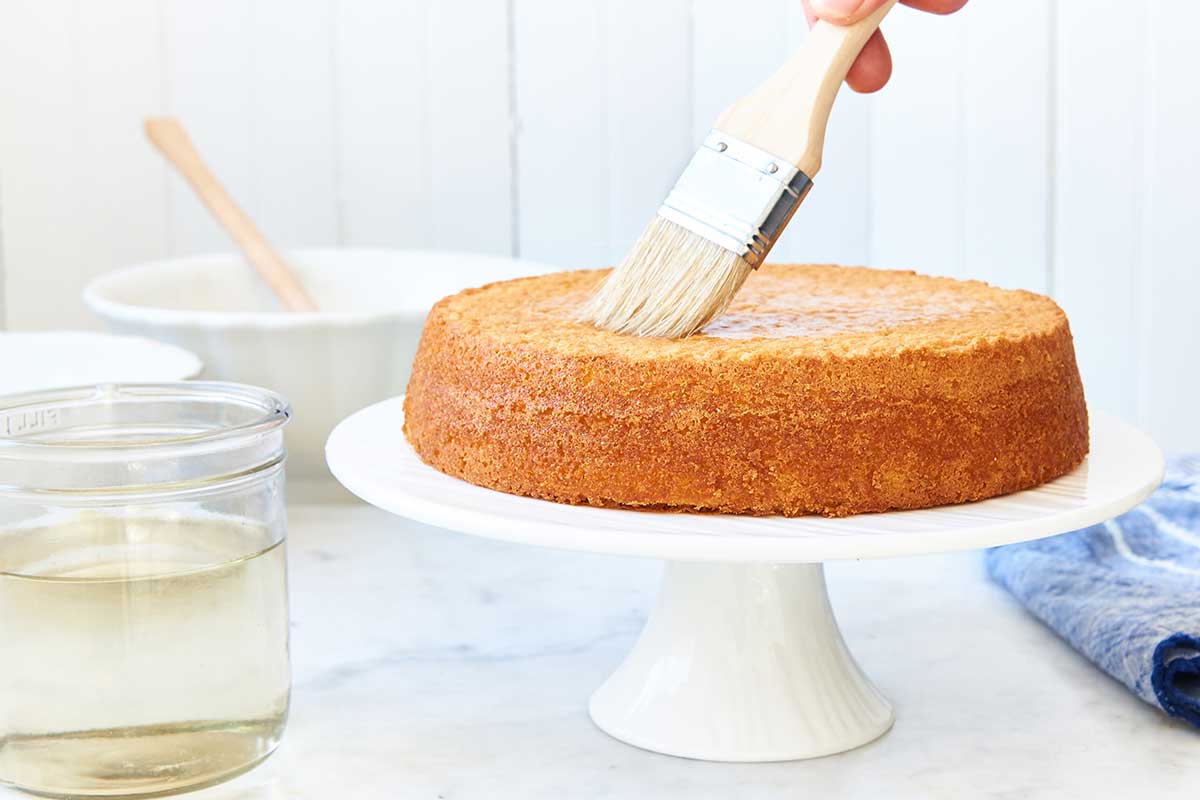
{"points": [[783, 310]]}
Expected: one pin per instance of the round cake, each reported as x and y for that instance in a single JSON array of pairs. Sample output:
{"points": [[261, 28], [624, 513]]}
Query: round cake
{"points": [[822, 390]]}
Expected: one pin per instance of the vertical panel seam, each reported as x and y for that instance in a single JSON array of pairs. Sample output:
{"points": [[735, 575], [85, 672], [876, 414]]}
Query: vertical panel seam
{"points": [[79, 132], [960, 207], [335, 102], [254, 10], [601, 10], [869, 184], [3, 272], [424, 109], [514, 127], [1051, 155], [1142, 263], [690, 52], [612, 190], [164, 107]]}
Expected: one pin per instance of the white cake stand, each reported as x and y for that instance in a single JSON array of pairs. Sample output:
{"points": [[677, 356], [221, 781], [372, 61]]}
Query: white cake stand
{"points": [[741, 658]]}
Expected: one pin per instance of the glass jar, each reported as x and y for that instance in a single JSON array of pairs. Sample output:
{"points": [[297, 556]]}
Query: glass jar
{"points": [[143, 586]]}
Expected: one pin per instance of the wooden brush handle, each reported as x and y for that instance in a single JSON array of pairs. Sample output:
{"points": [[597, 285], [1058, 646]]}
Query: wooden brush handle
{"points": [[168, 135], [787, 114]]}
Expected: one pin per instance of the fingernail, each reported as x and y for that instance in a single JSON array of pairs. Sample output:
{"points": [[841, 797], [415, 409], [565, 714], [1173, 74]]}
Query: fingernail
{"points": [[836, 9]]}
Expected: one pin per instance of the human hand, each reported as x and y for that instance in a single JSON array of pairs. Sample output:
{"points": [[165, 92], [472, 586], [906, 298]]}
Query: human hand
{"points": [[873, 67]]}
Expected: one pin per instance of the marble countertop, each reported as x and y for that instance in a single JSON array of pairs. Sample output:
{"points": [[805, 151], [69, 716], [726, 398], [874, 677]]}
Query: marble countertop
{"points": [[435, 665]]}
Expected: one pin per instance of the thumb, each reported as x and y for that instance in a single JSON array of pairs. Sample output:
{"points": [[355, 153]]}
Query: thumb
{"points": [[844, 12]]}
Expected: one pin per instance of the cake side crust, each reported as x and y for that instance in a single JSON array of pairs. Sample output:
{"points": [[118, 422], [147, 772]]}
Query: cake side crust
{"points": [[743, 428]]}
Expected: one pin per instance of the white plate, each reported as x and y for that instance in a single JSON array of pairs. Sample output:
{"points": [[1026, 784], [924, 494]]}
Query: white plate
{"points": [[370, 456], [36, 361]]}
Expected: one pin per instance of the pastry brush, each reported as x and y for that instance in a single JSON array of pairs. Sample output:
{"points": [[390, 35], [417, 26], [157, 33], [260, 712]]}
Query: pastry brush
{"points": [[735, 197]]}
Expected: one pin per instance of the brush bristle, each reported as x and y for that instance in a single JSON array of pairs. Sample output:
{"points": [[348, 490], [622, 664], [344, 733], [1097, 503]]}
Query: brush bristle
{"points": [[671, 284]]}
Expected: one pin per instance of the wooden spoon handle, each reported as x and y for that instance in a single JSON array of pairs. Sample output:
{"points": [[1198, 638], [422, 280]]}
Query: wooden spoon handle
{"points": [[169, 136], [786, 115]]}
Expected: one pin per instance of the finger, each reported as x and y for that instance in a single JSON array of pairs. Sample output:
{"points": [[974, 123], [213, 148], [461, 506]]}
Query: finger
{"points": [[845, 12], [871, 70], [873, 66], [936, 6], [810, 16]]}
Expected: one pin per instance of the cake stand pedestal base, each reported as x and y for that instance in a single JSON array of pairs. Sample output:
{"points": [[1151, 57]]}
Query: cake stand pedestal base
{"points": [[741, 662], [741, 659]]}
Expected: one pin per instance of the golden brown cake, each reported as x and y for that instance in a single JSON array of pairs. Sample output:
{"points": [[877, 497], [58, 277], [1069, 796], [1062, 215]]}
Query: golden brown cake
{"points": [[822, 390]]}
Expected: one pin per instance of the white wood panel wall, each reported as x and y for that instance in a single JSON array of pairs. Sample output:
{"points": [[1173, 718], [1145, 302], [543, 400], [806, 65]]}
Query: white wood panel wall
{"points": [[1013, 145], [1099, 165], [1168, 293]]}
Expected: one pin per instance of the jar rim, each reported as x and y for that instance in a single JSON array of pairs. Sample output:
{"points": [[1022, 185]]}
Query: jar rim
{"points": [[274, 411]]}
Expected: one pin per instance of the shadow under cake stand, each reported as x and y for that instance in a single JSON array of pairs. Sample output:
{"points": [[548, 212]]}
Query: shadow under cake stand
{"points": [[741, 658]]}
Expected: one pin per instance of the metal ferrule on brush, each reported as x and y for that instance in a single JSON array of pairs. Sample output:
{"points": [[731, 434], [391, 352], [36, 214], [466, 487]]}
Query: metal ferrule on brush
{"points": [[736, 196]]}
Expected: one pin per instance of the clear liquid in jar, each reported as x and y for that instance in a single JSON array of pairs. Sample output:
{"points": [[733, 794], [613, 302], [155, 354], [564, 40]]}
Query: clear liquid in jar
{"points": [[142, 655]]}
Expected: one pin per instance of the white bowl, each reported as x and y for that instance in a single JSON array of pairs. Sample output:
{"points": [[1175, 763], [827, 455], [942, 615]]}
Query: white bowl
{"points": [[358, 349], [58, 359]]}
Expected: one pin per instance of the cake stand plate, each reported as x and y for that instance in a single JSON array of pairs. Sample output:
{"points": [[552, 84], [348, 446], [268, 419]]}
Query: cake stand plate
{"points": [[741, 658]]}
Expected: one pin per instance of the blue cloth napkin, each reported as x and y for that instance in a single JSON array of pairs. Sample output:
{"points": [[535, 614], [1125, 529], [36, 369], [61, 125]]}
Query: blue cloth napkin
{"points": [[1125, 593]]}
